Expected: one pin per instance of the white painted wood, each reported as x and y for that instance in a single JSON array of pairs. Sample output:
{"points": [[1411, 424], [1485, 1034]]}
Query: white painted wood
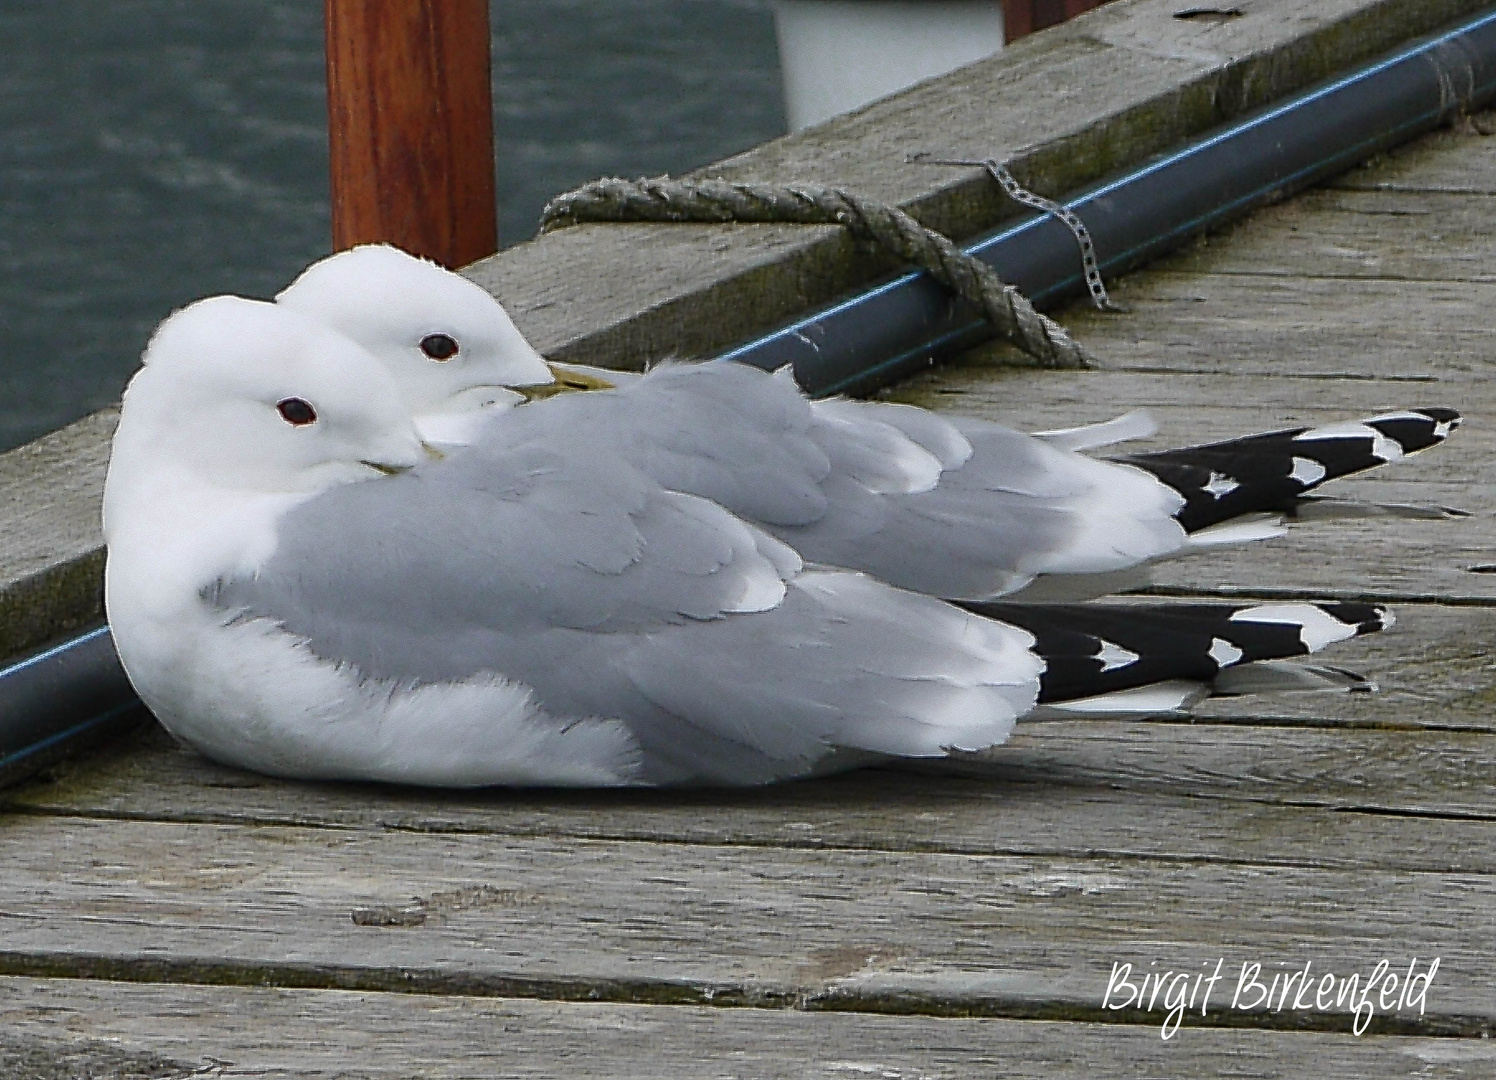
{"points": [[837, 55]]}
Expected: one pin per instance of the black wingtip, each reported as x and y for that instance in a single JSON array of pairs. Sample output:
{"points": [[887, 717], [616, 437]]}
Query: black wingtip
{"points": [[1271, 472], [1093, 649], [1417, 429]]}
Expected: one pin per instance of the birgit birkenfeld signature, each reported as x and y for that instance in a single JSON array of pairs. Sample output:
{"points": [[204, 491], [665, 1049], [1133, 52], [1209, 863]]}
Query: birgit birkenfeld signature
{"points": [[1307, 989]]}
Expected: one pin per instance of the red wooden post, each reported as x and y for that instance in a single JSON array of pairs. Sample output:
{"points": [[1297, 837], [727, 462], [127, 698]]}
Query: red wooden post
{"points": [[1018, 19], [410, 126], [1022, 17]]}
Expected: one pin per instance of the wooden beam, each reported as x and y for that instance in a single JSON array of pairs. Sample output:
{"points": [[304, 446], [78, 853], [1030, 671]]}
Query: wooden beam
{"points": [[410, 126]]}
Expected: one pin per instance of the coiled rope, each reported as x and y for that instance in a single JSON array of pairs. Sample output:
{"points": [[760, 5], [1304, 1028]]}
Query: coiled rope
{"points": [[663, 199]]}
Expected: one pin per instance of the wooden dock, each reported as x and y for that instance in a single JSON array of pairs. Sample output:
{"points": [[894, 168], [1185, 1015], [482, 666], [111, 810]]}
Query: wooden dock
{"points": [[893, 923], [164, 917]]}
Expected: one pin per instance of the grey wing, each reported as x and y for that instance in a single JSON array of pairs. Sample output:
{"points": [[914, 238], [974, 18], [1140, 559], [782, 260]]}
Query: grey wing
{"points": [[1003, 507], [567, 571], [845, 664], [727, 432], [892, 490], [529, 539], [956, 508]]}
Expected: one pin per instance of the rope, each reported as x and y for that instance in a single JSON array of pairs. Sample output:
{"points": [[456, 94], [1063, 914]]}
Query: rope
{"points": [[664, 199]]}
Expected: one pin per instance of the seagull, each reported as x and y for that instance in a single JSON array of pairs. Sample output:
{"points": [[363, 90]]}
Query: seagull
{"points": [[299, 584], [955, 507]]}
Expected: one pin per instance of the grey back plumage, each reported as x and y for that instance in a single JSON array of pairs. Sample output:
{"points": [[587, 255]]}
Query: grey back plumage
{"points": [[845, 483]]}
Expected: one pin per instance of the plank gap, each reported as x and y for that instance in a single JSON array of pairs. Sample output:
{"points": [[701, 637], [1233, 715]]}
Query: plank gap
{"points": [[1283, 275], [910, 845], [1227, 592], [1250, 720], [645, 991], [1315, 376]]}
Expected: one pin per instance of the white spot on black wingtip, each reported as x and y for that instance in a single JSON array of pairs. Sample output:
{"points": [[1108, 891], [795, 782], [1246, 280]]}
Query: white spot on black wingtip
{"points": [[1113, 656], [1384, 449], [1219, 486], [1224, 653], [1317, 627], [1444, 422], [1307, 472]]}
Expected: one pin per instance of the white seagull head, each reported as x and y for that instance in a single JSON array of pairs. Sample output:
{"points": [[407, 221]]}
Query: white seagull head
{"points": [[246, 396], [450, 346]]}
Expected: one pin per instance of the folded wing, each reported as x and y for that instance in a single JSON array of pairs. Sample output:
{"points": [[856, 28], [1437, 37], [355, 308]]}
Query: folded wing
{"points": [[536, 559]]}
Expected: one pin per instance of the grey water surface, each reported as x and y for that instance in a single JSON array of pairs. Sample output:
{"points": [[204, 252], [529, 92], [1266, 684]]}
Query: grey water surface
{"points": [[156, 151]]}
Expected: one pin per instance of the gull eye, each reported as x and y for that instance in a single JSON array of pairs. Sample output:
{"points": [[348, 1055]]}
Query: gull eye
{"points": [[296, 412], [439, 346]]}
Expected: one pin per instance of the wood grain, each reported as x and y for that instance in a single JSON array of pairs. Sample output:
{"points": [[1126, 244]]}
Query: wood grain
{"points": [[290, 1034], [1303, 327], [1455, 159], [689, 924], [51, 545], [410, 125], [1290, 794], [1356, 234]]}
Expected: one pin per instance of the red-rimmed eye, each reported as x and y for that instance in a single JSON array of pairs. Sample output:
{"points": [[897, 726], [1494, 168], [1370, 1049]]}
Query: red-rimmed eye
{"points": [[296, 411], [439, 346]]}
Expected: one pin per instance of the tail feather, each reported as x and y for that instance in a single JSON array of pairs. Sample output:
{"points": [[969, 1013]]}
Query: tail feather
{"points": [[1272, 472], [1094, 650]]}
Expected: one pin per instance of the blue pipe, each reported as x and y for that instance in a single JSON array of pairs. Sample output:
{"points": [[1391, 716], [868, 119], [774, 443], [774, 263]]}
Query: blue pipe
{"points": [[57, 695], [910, 322]]}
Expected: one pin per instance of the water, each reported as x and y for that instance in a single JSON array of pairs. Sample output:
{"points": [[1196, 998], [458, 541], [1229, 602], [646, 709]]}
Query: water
{"points": [[156, 151]]}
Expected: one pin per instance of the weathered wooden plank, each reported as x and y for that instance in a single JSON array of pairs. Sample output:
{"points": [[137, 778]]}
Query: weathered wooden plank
{"points": [[91, 1059], [1379, 559], [1355, 233], [1435, 773], [51, 548], [281, 1034], [1299, 326], [691, 924], [987, 380], [1242, 400], [1453, 160], [1068, 806]]}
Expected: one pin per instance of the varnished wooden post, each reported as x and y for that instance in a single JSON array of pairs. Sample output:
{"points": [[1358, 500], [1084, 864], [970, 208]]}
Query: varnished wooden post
{"points": [[1018, 19], [410, 126], [1022, 17]]}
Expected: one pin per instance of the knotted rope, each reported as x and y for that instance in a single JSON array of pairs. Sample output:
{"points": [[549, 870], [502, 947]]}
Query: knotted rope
{"points": [[663, 199]]}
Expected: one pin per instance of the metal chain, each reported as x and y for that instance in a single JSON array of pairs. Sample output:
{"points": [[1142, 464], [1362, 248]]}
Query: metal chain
{"points": [[1018, 193]]}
